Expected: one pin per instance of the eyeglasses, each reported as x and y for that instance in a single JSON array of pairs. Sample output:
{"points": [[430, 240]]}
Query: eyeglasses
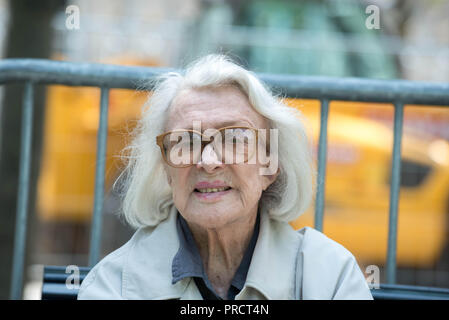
{"points": [[183, 148]]}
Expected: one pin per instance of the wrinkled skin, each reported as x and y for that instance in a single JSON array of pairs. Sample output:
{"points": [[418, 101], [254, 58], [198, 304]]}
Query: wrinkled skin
{"points": [[221, 225]]}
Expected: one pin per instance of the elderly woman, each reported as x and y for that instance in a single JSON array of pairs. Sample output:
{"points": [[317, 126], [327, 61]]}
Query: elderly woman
{"points": [[217, 168]]}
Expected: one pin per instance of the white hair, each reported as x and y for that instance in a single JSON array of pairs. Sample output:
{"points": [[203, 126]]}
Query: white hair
{"points": [[147, 196]]}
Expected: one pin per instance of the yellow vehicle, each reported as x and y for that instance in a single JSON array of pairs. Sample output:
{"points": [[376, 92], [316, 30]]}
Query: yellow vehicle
{"points": [[358, 184], [66, 182], [357, 181]]}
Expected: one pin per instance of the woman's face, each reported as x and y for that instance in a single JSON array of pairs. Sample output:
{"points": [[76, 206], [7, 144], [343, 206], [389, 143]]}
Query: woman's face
{"points": [[215, 108]]}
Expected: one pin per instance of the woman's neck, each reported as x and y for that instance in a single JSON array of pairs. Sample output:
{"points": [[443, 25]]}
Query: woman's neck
{"points": [[222, 249]]}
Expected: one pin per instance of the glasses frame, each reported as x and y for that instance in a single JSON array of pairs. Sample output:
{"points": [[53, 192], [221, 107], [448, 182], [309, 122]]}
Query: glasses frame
{"points": [[160, 141]]}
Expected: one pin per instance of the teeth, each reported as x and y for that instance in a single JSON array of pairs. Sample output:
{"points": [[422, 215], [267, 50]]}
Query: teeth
{"points": [[206, 190]]}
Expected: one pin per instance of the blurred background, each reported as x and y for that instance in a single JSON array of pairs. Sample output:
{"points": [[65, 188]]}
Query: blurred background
{"points": [[405, 39]]}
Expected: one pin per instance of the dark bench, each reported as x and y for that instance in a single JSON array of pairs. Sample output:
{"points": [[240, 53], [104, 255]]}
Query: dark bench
{"points": [[407, 292], [54, 283], [55, 278]]}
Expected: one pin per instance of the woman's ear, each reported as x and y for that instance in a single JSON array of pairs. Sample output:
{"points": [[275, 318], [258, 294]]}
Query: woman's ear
{"points": [[269, 179]]}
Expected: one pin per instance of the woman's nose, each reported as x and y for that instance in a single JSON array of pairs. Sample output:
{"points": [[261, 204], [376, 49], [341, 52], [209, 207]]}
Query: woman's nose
{"points": [[209, 159]]}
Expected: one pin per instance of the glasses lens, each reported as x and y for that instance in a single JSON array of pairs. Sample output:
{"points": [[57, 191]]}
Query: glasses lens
{"points": [[232, 146], [238, 145], [182, 147]]}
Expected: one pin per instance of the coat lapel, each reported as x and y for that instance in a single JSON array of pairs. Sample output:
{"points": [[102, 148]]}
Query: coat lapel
{"points": [[272, 272], [147, 273]]}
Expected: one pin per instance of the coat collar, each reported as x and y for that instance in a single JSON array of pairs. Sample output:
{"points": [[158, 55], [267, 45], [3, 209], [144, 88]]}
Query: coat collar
{"points": [[273, 266], [147, 273]]}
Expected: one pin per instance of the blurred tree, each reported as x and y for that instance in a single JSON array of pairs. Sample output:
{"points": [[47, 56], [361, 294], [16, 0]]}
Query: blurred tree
{"points": [[309, 37], [29, 36]]}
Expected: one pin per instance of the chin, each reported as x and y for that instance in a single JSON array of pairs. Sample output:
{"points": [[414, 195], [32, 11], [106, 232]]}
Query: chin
{"points": [[212, 221]]}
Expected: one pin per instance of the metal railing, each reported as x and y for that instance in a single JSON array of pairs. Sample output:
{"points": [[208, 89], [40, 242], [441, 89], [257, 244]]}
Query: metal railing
{"points": [[106, 77]]}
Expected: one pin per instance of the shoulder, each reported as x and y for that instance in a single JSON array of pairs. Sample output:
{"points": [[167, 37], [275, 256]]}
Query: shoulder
{"points": [[104, 280], [330, 271], [321, 246]]}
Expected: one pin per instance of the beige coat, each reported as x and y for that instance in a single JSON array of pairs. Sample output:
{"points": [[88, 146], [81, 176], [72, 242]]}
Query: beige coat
{"points": [[282, 258]]}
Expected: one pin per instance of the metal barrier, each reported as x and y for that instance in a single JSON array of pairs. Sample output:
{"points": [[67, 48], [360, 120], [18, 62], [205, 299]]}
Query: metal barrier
{"points": [[106, 77]]}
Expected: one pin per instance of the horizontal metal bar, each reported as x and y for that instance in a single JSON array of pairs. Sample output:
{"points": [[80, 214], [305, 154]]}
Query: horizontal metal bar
{"points": [[59, 274], [23, 193], [357, 89], [408, 292], [413, 288], [380, 294], [77, 74], [307, 87]]}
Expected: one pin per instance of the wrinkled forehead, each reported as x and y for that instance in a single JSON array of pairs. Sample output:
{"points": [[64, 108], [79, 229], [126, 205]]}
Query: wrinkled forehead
{"points": [[214, 107]]}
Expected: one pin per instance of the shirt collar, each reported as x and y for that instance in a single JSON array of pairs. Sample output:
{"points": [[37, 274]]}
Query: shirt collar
{"points": [[187, 261]]}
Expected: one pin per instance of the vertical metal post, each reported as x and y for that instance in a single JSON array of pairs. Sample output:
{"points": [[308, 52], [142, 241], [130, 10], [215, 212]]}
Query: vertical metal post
{"points": [[322, 152], [95, 234], [394, 193], [23, 193]]}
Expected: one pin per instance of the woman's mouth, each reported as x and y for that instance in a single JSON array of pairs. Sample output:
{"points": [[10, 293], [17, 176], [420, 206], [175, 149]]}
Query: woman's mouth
{"points": [[209, 190], [211, 193]]}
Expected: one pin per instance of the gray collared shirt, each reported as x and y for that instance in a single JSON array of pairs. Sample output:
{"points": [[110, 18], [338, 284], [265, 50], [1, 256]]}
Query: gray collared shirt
{"points": [[187, 262]]}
